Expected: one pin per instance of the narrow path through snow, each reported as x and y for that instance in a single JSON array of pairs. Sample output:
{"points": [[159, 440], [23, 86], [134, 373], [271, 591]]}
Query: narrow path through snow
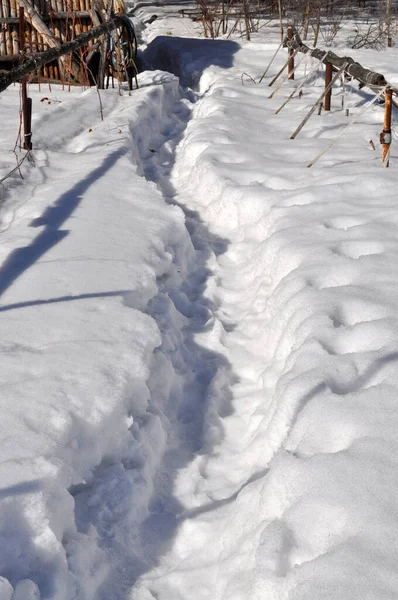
{"points": [[199, 344]]}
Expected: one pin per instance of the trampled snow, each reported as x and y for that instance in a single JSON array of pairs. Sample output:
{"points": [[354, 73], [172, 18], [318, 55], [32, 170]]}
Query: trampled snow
{"points": [[199, 336]]}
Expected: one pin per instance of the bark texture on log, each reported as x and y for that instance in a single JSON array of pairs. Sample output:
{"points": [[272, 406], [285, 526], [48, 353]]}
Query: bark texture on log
{"points": [[38, 61], [354, 69]]}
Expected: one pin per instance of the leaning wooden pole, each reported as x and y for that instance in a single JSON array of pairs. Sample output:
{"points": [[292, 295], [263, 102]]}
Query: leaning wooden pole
{"points": [[39, 60], [317, 103]]}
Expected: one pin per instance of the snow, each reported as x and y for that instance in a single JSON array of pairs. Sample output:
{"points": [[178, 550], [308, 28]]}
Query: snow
{"points": [[199, 335]]}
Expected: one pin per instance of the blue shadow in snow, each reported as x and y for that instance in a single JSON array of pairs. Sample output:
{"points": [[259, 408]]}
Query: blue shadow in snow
{"points": [[39, 302], [166, 52], [21, 259], [20, 489]]}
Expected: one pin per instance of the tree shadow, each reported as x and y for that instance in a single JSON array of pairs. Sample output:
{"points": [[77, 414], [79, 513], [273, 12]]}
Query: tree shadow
{"points": [[40, 302], [52, 219], [26, 487]]}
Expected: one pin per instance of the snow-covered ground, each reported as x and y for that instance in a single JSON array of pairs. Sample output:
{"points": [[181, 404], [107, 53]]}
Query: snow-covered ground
{"points": [[199, 335]]}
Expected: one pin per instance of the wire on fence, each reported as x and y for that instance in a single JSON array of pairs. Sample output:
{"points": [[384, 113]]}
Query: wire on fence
{"points": [[299, 87], [276, 90], [318, 102], [272, 60], [17, 167], [381, 92]]}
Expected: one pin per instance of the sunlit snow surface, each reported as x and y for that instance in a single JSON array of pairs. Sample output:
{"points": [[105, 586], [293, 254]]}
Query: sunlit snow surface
{"points": [[199, 337]]}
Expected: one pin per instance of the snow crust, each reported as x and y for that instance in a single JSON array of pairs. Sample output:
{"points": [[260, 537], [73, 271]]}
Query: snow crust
{"points": [[199, 338]]}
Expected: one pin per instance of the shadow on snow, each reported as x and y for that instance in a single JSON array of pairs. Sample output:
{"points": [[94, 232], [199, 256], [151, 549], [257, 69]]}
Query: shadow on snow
{"points": [[194, 366], [21, 259]]}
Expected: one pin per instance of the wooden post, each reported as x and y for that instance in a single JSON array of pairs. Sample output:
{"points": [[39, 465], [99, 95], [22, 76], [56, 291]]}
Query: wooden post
{"points": [[279, 73], [317, 103], [328, 87], [26, 102], [28, 125], [21, 29], [385, 136], [291, 54]]}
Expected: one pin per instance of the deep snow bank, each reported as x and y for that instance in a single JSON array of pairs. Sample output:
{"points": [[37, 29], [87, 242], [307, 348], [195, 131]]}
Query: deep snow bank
{"points": [[89, 384], [299, 499]]}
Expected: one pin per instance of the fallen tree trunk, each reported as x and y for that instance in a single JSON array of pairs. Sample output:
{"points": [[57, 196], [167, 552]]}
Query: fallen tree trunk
{"points": [[36, 61], [365, 76]]}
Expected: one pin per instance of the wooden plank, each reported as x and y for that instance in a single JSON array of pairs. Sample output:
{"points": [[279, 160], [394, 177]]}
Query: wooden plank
{"points": [[3, 42], [6, 8], [8, 41]]}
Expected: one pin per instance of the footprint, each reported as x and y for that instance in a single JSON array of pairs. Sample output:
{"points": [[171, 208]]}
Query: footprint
{"points": [[344, 222], [317, 527], [357, 248], [275, 547]]}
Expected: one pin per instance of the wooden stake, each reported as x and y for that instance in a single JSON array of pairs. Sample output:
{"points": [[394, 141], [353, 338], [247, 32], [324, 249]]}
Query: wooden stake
{"points": [[26, 102], [34, 63], [285, 79], [298, 89], [328, 87], [28, 127], [290, 67], [49, 41], [385, 136], [279, 73], [343, 131], [21, 28], [2, 42], [317, 103], [6, 9], [8, 40], [27, 116], [270, 63]]}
